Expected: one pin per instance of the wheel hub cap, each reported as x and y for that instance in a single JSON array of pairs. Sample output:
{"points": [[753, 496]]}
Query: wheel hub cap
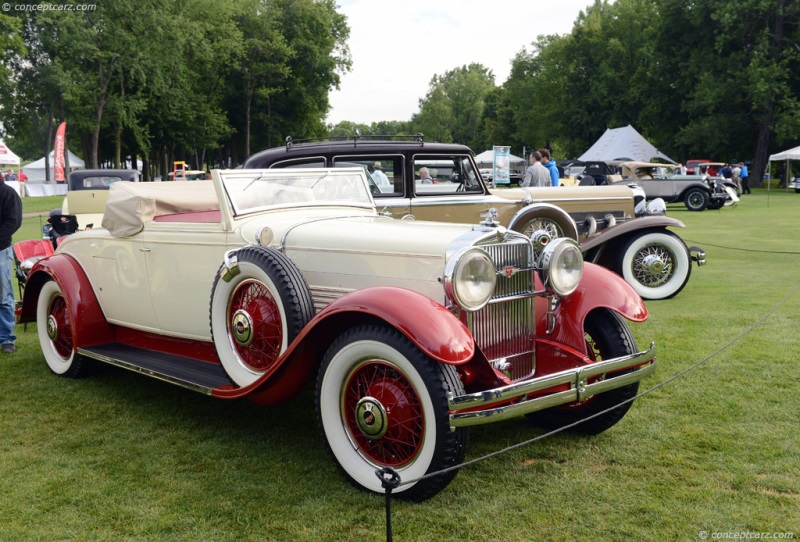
{"points": [[242, 327], [371, 418], [52, 327], [653, 265]]}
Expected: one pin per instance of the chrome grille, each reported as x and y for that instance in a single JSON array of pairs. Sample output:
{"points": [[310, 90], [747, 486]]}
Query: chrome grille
{"points": [[504, 329]]}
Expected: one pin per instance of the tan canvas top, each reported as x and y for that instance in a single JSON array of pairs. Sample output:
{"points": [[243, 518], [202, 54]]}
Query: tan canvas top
{"points": [[131, 205]]}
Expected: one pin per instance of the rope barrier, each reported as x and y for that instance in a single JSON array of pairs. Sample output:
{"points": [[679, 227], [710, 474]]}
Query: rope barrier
{"points": [[744, 249], [397, 482]]}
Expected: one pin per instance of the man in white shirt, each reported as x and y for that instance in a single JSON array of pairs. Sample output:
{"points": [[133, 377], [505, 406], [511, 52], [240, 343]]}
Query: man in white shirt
{"points": [[379, 176]]}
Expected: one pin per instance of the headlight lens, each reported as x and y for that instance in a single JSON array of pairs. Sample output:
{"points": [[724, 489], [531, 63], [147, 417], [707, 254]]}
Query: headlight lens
{"points": [[561, 266], [470, 279]]}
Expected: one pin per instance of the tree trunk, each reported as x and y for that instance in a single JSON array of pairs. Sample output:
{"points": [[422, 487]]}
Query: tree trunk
{"points": [[145, 169], [117, 145]]}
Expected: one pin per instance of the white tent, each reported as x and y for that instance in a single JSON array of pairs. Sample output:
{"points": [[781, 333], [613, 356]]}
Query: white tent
{"points": [[36, 170], [486, 159], [791, 154], [7, 157], [623, 144]]}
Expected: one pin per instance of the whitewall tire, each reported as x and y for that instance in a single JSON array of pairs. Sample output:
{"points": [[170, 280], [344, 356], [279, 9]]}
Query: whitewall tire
{"points": [[656, 264]]}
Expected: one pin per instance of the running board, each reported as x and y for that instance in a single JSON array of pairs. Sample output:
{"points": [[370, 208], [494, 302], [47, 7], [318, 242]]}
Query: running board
{"points": [[196, 375]]}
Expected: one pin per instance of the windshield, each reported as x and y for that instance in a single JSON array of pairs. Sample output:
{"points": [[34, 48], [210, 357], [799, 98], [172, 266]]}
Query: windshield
{"points": [[254, 190]]}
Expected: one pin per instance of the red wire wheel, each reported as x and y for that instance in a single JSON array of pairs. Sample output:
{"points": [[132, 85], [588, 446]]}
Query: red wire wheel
{"points": [[59, 327], [254, 325], [383, 414]]}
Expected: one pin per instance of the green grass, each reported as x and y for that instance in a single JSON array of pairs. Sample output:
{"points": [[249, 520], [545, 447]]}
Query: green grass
{"points": [[119, 456], [41, 205]]}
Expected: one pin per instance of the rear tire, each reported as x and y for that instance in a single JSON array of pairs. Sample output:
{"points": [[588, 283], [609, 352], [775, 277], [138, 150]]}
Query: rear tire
{"points": [[607, 337], [56, 337]]}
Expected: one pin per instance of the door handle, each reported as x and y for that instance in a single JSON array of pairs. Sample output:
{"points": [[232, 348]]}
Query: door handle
{"points": [[144, 249]]}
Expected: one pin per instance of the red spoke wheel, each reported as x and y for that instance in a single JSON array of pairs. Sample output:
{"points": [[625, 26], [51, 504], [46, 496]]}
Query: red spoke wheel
{"points": [[54, 327], [257, 313], [607, 337], [381, 402]]}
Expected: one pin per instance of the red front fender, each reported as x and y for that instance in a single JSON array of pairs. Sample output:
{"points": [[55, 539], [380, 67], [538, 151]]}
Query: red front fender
{"points": [[600, 288], [78, 292], [426, 323]]}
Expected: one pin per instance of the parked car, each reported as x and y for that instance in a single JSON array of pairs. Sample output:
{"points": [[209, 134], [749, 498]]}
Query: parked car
{"points": [[612, 233], [692, 165], [795, 183], [254, 283], [82, 208], [697, 192]]}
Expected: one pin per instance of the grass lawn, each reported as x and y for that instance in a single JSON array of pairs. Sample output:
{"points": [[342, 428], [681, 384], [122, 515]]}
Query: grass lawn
{"points": [[121, 456]]}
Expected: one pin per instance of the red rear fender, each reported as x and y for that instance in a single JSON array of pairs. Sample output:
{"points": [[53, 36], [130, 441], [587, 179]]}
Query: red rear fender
{"points": [[77, 290]]}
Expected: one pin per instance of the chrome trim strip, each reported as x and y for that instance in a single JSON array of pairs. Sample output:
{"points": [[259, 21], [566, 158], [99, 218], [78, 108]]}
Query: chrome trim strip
{"points": [[577, 379], [147, 372]]}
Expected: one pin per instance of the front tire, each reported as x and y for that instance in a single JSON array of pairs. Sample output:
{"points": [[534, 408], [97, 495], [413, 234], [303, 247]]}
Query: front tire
{"points": [[607, 337], [256, 315], [656, 264], [382, 403], [54, 326], [696, 199]]}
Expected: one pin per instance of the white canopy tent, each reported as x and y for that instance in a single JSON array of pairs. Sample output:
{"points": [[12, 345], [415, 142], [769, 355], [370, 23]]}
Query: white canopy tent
{"points": [[7, 156], [486, 159], [623, 144], [791, 154], [36, 170]]}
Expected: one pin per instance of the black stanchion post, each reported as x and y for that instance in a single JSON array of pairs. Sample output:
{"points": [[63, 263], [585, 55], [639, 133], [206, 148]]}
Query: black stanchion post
{"points": [[389, 481]]}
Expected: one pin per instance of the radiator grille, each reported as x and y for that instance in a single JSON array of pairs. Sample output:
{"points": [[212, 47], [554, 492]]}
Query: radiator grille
{"points": [[505, 327]]}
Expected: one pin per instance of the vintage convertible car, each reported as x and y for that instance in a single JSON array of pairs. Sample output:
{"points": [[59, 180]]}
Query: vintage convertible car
{"points": [[258, 281], [636, 245], [697, 192]]}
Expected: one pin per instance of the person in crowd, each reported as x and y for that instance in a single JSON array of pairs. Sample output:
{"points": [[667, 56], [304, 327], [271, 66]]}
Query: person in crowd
{"points": [[536, 174], [726, 172], [550, 165], [10, 222], [680, 170], [378, 175], [744, 174], [736, 170], [22, 177], [425, 176]]}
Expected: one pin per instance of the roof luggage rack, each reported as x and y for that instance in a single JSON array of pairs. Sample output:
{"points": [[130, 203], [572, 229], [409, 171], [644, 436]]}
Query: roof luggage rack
{"points": [[355, 138]]}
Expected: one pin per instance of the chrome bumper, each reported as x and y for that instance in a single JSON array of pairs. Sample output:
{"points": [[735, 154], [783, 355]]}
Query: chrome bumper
{"points": [[641, 364], [697, 255]]}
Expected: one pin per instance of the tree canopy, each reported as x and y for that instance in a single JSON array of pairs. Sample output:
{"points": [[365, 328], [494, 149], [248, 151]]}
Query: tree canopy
{"points": [[196, 80]]}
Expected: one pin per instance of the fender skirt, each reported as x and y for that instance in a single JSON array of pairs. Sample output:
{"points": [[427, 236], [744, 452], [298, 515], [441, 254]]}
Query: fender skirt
{"points": [[426, 323], [77, 290], [599, 288]]}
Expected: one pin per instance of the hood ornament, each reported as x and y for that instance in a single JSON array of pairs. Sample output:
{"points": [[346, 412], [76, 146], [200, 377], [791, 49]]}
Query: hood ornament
{"points": [[489, 218]]}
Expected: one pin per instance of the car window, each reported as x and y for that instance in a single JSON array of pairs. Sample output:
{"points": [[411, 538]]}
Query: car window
{"points": [[385, 172], [451, 174], [314, 161], [98, 183]]}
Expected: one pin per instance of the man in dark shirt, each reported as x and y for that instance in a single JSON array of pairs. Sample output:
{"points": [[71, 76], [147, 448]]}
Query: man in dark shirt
{"points": [[10, 221], [726, 172]]}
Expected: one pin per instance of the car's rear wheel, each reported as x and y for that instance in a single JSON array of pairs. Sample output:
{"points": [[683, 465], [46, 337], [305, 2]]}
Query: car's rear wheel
{"points": [[258, 313], [696, 199], [656, 264], [54, 325], [381, 403], [607, 337]]}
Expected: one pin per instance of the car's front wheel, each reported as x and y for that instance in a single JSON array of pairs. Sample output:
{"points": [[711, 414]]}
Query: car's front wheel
{"points": [[656, 264], [54, 326], [381, 403], [607, 336], [696, 199]]}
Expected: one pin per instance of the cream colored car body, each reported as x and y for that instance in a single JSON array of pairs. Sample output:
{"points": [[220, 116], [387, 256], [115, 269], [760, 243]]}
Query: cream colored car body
{"points": [[157, 280], [86, 205]]}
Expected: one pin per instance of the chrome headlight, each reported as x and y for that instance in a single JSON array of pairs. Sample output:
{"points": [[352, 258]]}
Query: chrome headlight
{"points": [[561, 266], [469, 278]]}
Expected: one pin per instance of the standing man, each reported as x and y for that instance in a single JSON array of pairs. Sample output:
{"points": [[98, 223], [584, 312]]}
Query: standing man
{"points": [[745, 176], [536, 174], [10, 221], [550, 165]]}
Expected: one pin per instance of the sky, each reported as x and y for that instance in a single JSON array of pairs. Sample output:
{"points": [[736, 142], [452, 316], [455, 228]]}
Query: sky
{"points": [[397, 46]]}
